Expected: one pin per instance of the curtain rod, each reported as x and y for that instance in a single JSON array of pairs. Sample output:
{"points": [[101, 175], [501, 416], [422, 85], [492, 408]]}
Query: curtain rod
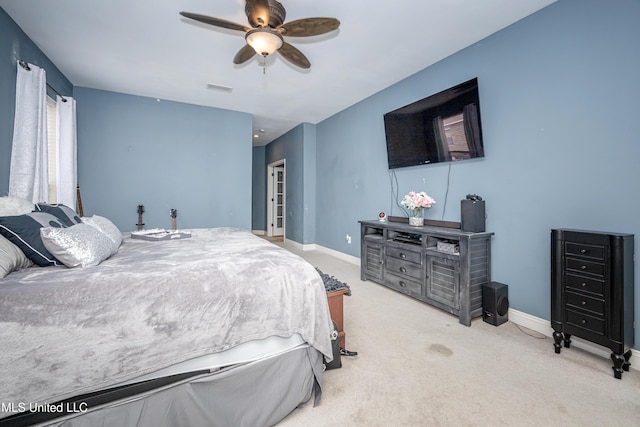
{"points": [[25, 65]]}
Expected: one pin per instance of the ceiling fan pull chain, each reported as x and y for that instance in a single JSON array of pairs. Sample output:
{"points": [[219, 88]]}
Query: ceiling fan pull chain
{"points": [[264, 65]]}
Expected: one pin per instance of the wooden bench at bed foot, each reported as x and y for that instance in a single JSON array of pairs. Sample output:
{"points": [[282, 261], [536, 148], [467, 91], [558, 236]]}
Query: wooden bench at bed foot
{"points": [[337, 315]]}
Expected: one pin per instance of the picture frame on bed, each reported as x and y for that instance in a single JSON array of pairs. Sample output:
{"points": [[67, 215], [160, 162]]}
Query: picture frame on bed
{"points": [[156, 235]]}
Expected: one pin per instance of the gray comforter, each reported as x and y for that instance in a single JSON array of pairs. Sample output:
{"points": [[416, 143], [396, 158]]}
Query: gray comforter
{"points": [[65, 332]]}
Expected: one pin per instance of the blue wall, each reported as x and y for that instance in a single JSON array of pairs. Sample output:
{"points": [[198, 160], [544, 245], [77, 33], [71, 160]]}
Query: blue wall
{"points": [[259, 196], [134, 150], [297, 148], [560, 100], [15, 45], [310, 183]]}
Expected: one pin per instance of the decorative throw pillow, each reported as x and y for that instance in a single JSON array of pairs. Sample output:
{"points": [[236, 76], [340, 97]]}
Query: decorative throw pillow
{"points": [[64, 213], [24, 232], [10, 206], [107, 227], [11, 258], [80, 245]]}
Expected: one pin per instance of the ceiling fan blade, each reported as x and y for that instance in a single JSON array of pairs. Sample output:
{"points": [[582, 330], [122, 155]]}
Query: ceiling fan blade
{"points": [[215, 21], [244, 54], [258, 12], [294, 56], [309, 27]]}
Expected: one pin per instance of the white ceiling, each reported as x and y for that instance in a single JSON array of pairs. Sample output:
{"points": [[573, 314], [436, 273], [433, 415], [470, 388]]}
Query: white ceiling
{"points": [[144, 47]]}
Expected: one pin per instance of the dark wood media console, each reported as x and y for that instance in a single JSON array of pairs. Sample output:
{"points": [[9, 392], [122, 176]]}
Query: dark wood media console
{"points": [[444, 267]]}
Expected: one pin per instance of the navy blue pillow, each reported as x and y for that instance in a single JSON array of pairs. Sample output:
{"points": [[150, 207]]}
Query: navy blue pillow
{"points": [[64, 213], [24, 232]]}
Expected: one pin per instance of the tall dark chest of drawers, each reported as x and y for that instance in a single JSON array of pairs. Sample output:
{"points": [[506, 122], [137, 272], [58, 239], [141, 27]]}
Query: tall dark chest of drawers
{"points": [[592, 291]]}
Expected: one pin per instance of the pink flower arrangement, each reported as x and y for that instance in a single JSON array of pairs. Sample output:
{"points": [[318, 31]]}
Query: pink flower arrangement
{"points": [[417, 201]]}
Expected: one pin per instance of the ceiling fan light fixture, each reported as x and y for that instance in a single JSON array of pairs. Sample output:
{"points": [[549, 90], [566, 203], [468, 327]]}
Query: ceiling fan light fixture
{"points": [[264, 41]]}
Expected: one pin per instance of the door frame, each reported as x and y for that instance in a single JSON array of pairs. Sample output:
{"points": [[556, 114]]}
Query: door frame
{"points": [[270, 198]]}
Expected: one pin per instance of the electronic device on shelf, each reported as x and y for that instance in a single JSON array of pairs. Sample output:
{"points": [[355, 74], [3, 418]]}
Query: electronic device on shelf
{"points": [[448, 246], [408, 238]]}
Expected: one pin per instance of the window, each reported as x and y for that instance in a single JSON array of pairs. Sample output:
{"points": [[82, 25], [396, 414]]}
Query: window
{"points": [[52, 136]]}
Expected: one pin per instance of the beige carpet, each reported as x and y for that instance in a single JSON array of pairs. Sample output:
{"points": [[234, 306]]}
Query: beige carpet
{"points": [[417, 366]]}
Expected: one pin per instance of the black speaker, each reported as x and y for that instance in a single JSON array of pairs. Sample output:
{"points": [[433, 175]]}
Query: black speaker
{"points": [[472, 213], [495, 303]]}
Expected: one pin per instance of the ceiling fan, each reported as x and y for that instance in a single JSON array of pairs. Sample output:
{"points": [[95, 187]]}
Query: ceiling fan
{"points": [[265, 35]]}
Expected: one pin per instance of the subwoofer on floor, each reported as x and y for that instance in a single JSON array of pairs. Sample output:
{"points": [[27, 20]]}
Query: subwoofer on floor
{"points": [[495, 303]]}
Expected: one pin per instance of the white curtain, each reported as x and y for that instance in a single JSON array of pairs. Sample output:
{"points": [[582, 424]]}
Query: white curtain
{"points": [[66, 161], [28, 171]]}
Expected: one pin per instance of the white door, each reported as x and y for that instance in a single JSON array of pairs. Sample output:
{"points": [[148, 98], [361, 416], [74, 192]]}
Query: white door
{"points": [[278, 202]]}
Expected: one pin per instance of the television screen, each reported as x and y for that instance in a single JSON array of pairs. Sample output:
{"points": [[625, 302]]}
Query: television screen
{"points": [[443, 127]]}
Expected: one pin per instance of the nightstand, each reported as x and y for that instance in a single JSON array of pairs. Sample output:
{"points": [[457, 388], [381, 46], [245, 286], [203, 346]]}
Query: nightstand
{"points": [[336, 310]]}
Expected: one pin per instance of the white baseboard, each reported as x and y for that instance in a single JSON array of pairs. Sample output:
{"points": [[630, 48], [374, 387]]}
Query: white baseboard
{"points": [[259, 232], [544, 327], [313, 247], [297, 246], [341, 255]]}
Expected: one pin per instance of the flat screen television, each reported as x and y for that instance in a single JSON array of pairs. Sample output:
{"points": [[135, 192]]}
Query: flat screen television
{"points": [[443, 127]]}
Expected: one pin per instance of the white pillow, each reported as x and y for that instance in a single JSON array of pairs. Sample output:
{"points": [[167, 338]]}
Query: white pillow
{"points": [[107, 227], [11, 206], [11, 258], [79, 245]]}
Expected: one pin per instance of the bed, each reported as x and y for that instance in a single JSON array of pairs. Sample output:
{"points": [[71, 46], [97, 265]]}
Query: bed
{"points": [[220, 328]]}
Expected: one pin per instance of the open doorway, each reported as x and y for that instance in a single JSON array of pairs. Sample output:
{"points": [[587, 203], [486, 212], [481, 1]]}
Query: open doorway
{"points": [[276, 199]]}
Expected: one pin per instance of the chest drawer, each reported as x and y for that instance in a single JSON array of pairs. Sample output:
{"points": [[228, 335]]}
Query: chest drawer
{"points": [[400, 266], [403, 254], [584, 321], [583, 266], [584, 302], [583, 250], [584, 284]]}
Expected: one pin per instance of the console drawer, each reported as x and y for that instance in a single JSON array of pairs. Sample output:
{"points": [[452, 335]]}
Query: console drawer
{"points": [[400, 253], [399, 266], [583, 302], [403, 285]]}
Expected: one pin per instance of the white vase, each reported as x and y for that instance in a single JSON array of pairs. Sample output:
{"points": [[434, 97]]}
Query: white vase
{"points": [[416, 221]]}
